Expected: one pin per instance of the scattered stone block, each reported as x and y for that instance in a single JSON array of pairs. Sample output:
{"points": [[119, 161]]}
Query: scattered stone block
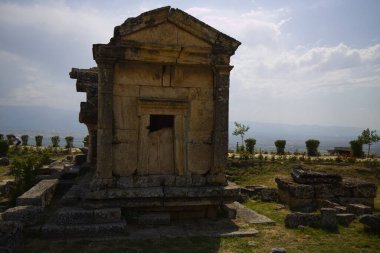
{"points": [[6, 186], [10, 236], [39, 195], [154, 218], [341, 209], [328, 204], [229, 210], [249, 215], [28, 215], [304, 176], [371, 221], [293, 220], [359, 209], [301, 191], [269, 194], [360, 188], [297, 204], [345, 219], [328, 218]]}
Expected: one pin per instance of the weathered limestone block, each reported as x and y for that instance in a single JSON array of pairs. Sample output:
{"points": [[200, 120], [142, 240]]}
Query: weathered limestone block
{"points": [[359, 209], [199, 160], [269, 194], [138, 73], [125, 159], [323, 191], [39, 195], [10, 236], [328, 218], [72, 216], [371, 221], [201, 117], [297, 204], [302, 191], [149, 192], [125, 112], [6, 187], [304, 176], [360, 188], [198, 180], [293, 220], [364, 201], [154, 218], [28, 215], [345, 219]]}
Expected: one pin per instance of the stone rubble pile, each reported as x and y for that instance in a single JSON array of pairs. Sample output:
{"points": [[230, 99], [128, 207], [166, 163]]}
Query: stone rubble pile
{"points": [[306, 190]]}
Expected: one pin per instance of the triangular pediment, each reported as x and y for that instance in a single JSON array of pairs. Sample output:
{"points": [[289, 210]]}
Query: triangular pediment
{"points": [[166, 33], [171, 26]]}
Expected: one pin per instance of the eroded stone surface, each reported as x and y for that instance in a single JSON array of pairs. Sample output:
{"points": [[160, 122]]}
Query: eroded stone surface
{"points": [[28, 215], [293, 220], [40, 194], [305, 176]]}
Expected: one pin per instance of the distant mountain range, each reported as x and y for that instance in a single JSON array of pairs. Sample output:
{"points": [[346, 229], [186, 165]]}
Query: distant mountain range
{"points": [[47, 121]]}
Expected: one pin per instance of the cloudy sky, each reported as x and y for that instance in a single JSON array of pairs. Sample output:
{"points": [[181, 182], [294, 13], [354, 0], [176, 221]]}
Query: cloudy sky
{"points": [[311, 62]]}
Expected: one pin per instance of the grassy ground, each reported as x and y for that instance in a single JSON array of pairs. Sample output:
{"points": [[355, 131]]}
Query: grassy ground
{"points": [[352, 239]]}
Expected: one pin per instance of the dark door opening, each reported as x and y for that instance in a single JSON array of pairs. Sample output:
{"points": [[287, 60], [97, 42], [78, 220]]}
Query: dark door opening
{"points": [[158, 122]]}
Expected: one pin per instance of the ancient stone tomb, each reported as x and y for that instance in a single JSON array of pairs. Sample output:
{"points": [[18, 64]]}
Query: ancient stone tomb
{"points": [[157, 112]]}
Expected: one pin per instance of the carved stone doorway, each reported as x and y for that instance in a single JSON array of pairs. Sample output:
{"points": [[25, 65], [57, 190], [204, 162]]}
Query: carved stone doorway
{"points": [[160, 153]]}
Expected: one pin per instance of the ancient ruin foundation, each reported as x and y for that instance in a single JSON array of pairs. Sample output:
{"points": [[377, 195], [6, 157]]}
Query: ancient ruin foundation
{"points": [[157, 114], [306, 190]]}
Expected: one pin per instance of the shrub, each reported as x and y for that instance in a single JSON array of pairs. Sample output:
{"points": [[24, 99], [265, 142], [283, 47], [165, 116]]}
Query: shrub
{"points": [[357, 148], [24, 139], [10, 139], [24, 171], [69, 141], [55, 141], [4, 147], [39, 140], [1, 137], [312, 147], [250, 144], [280, 146]]}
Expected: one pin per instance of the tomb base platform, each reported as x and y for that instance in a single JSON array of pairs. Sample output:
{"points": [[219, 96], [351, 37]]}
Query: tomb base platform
{"points": [[181, 202]]}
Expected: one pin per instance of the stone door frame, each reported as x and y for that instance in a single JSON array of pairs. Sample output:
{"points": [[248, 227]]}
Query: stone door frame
{"points": [[156, 106]]}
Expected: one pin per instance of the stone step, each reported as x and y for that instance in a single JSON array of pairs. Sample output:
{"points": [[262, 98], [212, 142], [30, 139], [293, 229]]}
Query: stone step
{"points": [[76, 216], [72, 196], [39, 195], [88, 230], [154, 218]]}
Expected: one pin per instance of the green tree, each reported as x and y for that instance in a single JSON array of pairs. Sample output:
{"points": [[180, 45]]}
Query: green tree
{"points": [[356, 148], [369, 137], [55, 141], [24, 139], [240, 129], [39, 140], [250, 144], [280, 146], [312, 147], [69, 142]]}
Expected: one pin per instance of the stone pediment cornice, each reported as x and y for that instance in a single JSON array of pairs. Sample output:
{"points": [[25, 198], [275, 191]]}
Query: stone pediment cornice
{"points": [[221, 43]]}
